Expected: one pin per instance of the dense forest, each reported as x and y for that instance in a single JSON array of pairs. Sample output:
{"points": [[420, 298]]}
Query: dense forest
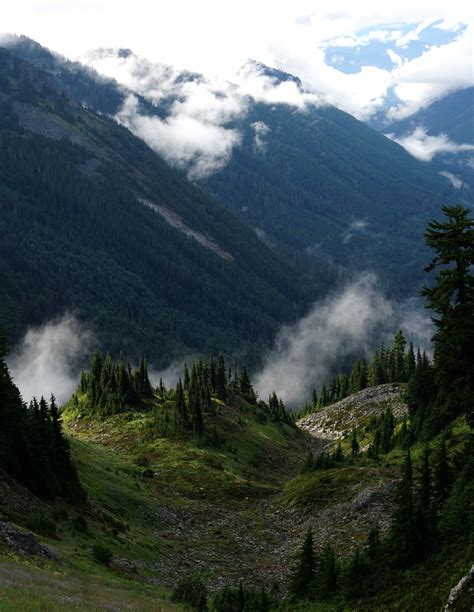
{"points": [[78, 236], [325, 190]]}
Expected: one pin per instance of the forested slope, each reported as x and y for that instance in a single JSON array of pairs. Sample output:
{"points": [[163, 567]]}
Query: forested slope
{"points": [[96, 223]]}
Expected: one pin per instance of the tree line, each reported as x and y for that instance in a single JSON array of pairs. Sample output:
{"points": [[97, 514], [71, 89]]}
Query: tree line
{"points": [[33, 449]]}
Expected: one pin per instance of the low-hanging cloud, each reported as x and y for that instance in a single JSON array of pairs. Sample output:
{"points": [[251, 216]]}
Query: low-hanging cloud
{"points": [[455, 181], [425, 147], [198, 131], [350, 322], [172, 373], [181, 139], [48, 359]]}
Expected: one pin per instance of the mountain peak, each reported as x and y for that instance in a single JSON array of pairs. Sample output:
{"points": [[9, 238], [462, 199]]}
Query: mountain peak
{"points": [[276, 75]]}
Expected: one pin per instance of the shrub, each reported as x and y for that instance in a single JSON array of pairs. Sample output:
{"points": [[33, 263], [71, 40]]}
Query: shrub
{"points": [[102, 554], [79, 524], [43, 525], [190, 591]]}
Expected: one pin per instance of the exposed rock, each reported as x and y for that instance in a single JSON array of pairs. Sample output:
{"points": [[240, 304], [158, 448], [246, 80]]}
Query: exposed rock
{"points": [[125, 566], [24, 543], [461, 596], [370, 496], [178, 223], [334, 421]]}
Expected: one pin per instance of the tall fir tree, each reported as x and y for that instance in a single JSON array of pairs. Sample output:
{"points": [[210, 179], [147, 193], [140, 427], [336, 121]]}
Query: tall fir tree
{"points": [[452, 300], [304, 572]]}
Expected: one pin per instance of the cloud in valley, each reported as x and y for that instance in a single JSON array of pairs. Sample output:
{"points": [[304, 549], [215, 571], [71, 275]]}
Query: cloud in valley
{"points": [[49, 358], [425, 147], [350, 322]]}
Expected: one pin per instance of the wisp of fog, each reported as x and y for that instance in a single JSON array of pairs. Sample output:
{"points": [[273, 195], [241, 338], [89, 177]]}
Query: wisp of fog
{"points": [[49, 358], [352, 321]]}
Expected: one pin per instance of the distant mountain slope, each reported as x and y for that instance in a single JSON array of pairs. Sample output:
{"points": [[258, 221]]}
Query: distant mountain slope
{"points": [[452, 115], [312, 180], [328, 185], [95, 222], [443, 135]]}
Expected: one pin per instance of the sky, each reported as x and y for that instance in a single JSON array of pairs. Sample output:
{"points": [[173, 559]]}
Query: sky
{"points": [[360, 56]]}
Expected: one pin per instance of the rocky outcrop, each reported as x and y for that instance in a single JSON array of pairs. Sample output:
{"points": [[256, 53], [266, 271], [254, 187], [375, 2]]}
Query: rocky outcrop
{"points": [[461, 597], [334, 421], [24, 543]]}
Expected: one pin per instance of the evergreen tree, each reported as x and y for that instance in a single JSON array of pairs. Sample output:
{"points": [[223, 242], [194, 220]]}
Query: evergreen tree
{"points": [[410, 362], [452, 299], [354, 576], [441, 473], [403, 537], [425, 492], [373, 542], [354, 444], [304, 571], [221, 379], [397, 359], [327, 574]]}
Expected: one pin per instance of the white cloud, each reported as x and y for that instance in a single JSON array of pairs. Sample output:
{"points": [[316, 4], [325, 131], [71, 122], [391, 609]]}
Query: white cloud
{"points": [[438, 71], [358, 225], [349, 322], [425, 147], [455, 181], [261, 129], [183, 139], [48, 359], [217, 38], [196, 134]]}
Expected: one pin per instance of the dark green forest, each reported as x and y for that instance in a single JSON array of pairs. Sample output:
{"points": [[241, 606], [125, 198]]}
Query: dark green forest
{"points": [[77, 238], [328, 192]]}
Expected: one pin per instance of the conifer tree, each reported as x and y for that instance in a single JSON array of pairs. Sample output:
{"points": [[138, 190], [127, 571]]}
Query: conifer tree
{"points": [[354, 444], [425, 492], [327, 574], [403, 537], [397, 358], [441, 473], [410, 362], [373, 542], [221, 379], [452, 299], [304, 571]]}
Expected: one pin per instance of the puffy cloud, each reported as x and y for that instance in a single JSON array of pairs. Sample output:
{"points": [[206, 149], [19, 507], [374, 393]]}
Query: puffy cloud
{"points": [[305, 355], [48, 359], [196, 133], [425, 147], [183, 139], [217, 38], [438, 71]]}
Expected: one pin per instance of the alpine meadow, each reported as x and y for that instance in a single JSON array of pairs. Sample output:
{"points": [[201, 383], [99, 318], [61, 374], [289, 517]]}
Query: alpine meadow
{"points": [[236, 306]]}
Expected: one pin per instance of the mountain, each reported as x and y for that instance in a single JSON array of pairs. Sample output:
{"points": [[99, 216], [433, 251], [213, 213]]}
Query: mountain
{"points": [[315, 183], [95, 223], [443, 135], [326, 184], [452, 115]]}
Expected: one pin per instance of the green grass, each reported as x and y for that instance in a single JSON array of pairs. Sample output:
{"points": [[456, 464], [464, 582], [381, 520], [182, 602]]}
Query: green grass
{"points": [[28, 588]]}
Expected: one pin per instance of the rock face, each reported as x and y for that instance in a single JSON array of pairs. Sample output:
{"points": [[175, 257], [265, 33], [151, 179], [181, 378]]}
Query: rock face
{"points": [[461, 597], [332, 422], [24, 543]]}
